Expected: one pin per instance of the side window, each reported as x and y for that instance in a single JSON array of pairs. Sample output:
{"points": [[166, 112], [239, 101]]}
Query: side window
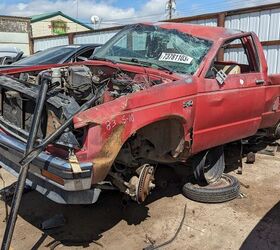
{"points": [[122, 43], [238, 56], [87, 53], [82, 56]]}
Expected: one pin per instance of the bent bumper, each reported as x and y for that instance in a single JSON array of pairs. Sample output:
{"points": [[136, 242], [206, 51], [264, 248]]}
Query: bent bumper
{"points": [[76, 188]]}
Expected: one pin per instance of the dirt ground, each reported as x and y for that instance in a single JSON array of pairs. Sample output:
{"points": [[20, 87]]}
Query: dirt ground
{"points": [[245, 223]]}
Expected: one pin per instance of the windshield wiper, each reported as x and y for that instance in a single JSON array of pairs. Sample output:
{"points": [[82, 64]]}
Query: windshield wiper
{"points": [[145, 63], [102, 59]]}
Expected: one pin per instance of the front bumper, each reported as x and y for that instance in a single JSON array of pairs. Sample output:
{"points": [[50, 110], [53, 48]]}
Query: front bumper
{"points": [[76, 188]]}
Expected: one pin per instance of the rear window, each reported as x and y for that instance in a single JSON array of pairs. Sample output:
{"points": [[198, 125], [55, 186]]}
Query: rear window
{"points": [[48, 56]]}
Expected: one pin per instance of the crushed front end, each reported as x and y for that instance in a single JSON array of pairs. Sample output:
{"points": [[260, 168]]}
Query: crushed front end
{"points": [[65, 170]]}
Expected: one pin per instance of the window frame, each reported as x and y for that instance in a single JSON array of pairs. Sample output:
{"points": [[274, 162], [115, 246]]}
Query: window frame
{"points": [[250, 60]]}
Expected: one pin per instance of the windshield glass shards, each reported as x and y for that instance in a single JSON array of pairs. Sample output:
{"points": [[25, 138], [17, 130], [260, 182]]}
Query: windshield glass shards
{"points": [[160, 48]]}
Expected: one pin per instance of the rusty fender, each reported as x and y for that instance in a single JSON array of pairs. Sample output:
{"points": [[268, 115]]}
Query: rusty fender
{"points": [[105, 158]]}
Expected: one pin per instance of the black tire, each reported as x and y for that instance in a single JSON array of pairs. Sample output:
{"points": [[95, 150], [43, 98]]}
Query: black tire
{"points": [[208, 166], [225, 189]]}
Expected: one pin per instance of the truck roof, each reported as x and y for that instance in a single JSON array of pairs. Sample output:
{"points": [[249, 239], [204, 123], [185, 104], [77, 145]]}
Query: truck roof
{"points": [[205, 32]]}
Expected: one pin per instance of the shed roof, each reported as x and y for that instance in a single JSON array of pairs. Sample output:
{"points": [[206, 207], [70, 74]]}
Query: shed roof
{"points": [[40, 17]]}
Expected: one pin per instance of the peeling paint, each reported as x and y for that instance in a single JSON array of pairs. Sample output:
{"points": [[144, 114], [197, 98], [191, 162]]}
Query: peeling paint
{"points": [[105, 158]]}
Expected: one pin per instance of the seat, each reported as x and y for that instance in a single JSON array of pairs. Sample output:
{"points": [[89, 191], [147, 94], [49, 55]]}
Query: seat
{"points": [[229, 69]]}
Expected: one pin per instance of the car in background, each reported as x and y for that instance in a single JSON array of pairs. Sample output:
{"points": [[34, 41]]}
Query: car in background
{"points": [[59, 55], [10, 55]]}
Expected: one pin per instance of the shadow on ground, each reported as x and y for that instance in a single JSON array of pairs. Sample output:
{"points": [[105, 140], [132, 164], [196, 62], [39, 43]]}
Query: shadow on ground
{"points": [[86, 223], [266, 234]]}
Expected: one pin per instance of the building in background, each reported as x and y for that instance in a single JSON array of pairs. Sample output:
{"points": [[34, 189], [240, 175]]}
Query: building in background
{"points": [[15, 33], [56, 23]]}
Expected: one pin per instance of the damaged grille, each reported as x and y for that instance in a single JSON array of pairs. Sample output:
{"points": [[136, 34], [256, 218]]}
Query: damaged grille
{"points": [[18, 110], [18, 102]]}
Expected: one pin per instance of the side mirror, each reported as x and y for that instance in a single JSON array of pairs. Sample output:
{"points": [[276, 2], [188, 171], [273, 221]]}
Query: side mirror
{"points": [[220, 75], [81, 58]]}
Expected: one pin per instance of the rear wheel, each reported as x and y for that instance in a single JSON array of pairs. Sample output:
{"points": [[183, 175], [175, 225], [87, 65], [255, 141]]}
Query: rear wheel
{"points": [[209, 165], [225, 189]]}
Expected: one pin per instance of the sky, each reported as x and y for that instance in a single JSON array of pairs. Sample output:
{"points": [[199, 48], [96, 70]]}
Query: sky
{"points": [[121, 11]]}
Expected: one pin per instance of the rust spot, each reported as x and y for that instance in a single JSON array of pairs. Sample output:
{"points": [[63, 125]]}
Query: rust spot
{"points": [[104, 160], [53, 122]]}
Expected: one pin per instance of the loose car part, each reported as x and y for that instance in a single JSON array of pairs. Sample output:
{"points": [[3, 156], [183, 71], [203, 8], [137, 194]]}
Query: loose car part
{"points": [[225, 189], [209, 165]]}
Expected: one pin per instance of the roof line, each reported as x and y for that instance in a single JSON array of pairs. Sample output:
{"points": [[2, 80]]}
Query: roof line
{"points": [[41, 17]]}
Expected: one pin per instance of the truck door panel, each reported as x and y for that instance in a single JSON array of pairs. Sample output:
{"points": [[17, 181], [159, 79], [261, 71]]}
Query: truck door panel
{"points": [[229, 111]]}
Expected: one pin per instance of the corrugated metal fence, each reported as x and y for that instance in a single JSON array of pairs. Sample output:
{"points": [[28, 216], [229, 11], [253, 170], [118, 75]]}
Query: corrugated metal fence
{"points": [[263, 20], [266, 24]]}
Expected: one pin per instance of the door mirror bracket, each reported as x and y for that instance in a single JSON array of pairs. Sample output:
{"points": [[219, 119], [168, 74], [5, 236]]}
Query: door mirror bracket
{"points": [[220, 75]]}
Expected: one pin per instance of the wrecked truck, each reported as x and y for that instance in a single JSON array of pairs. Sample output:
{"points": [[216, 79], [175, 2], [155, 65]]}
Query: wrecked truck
{"points": [[164, 92]]}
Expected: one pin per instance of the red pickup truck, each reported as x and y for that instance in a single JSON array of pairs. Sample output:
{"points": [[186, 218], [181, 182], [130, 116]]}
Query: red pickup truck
{"points": [[164, 92]]}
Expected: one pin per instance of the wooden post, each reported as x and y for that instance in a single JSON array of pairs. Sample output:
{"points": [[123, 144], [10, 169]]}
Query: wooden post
{"points": [[71, 38], [30, 38]]}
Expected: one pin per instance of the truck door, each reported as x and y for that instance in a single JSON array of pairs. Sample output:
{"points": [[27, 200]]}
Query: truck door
{"points": [[232, 109]]}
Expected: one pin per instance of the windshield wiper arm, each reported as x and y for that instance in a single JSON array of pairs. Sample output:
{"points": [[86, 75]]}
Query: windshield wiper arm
{"points": [[145, 63], [102, 59]]}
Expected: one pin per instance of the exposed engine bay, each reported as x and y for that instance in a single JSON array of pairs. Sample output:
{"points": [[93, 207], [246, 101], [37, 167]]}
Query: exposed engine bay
{"points": [[81, 82]]}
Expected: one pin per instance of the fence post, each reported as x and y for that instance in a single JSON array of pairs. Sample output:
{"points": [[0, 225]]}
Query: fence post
{"points": [[71, 38], [221, 19]]}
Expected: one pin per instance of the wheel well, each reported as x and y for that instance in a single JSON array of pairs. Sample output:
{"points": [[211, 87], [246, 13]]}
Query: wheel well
{"points": [[165, 135], [156, 141]]}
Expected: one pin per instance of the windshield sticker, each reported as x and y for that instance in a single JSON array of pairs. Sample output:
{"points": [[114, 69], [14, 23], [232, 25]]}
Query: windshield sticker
{"points": [[173, 57]]}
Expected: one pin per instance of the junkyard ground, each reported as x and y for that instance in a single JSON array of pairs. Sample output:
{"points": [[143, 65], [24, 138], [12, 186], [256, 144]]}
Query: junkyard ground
{"points": [[247, 223]]}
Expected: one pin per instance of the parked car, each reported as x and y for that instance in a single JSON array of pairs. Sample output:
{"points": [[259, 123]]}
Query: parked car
{"points": [[158, 93], [10, 55], [59, 55]]}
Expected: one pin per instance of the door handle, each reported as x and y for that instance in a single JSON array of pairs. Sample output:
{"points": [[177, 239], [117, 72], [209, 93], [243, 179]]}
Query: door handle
{"points": [[260, 81]]}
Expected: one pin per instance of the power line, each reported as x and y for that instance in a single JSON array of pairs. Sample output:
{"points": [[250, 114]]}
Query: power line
{"points": [[215, 5], [197, 10]]}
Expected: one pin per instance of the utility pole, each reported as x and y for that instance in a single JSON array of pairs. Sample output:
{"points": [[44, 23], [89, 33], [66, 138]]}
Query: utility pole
{"points": [[170, 8]]}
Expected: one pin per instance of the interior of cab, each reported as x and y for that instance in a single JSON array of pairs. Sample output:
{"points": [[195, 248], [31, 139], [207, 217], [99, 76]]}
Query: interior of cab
{"points": [[231, 67], [236, 56]]}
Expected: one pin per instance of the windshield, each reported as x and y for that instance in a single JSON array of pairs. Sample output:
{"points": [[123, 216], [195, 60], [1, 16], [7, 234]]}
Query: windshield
{"points": [[161, 48], [48, 56]]}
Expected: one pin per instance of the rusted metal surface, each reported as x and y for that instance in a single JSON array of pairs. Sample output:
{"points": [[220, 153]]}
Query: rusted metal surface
{"points": [[106, 156]]}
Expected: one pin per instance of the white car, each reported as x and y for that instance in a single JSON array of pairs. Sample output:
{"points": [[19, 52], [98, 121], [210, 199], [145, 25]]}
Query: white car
{"points": [[10, 55]]}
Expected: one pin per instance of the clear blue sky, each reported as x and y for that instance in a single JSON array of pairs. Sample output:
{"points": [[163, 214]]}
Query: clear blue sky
{"points": [[121, 11]]}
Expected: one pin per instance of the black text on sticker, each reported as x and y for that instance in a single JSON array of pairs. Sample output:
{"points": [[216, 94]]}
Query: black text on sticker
{"points": [[173, 57]]}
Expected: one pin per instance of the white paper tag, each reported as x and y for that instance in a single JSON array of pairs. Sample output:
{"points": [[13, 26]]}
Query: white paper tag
{"points": [[173, 57]]}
